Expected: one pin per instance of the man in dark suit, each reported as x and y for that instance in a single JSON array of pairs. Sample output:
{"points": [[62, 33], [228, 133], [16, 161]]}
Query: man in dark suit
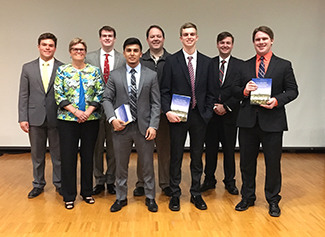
{"points": [[107, 38], [222, 126], [154, 59], [186, 73], [37, 112], [263, 123], [137, 86]]}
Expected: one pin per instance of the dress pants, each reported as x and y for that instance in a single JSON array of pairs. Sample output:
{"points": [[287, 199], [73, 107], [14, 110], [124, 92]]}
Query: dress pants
{"points": [[163, 151], [123, 143], [104, 134], [70, 134], [196, 127], [38, 136], [225, 133], [249, 141]]}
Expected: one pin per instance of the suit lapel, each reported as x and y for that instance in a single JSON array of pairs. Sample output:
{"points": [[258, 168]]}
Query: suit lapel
{"points": [[271, 67], [142, 79], [182, 63], [252, 67], [51, 82], [124, 80], [38, 75], [98, 62], [228, 72]]}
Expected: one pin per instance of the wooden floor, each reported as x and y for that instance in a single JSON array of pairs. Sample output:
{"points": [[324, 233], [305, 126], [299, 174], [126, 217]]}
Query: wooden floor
{"points": [[302, 205]]}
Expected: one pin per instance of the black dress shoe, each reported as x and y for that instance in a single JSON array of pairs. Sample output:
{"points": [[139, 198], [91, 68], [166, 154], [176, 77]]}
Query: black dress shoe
{"points": [[243, 205], [174, 204], [152, 205], [167, 191], [198, 202], [98, 189], [111, 189], [206, 186], [274, 210], [118, 204], [232, 189], [35, 192], [138, 192], [58, 190]]}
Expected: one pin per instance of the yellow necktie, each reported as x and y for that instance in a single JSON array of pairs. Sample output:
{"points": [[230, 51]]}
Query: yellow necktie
{"points": [[45, 76]]}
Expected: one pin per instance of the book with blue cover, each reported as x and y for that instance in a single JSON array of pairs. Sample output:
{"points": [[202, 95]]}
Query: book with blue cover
{"points": [[263, 93], [180, 105], [124, 113]]}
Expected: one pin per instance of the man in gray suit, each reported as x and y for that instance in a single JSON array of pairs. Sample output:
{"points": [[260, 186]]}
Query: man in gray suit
{"points": [[107, 59], [37, 112], [137, 86]]}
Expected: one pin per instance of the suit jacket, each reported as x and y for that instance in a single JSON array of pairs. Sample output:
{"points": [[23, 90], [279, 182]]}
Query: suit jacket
{"points": [[284, 89], [93, 58], [35, 104], [148, 107], [224, 92], [176, 80]]}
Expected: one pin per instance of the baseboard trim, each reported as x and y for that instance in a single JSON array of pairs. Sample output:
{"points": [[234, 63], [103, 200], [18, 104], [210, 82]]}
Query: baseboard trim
{"points": [[18, 150]]}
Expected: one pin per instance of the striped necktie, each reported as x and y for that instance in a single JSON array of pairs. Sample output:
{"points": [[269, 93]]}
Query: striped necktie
{"points": [[221, 72], [192, 77], [261, 69], [133, 95]]}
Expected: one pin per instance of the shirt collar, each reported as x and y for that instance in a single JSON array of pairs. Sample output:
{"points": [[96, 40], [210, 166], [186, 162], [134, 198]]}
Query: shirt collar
{"points": [[226, 59], [137, 68], [194, 55], [111, 54], [50, 62], [267, 57]]}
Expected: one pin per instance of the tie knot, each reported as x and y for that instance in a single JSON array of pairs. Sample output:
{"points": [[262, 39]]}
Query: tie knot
{"points": [[132, 71], [106, 55], [262, 58], [190, 58], [46, 64], [223, 62]]}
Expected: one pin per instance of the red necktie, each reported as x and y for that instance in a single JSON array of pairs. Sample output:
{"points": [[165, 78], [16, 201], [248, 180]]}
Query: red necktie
{"points": [[106, 68], [192, 77]]}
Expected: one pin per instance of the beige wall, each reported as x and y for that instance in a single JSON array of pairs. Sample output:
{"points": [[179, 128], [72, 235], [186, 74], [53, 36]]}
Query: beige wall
{"points": [[298, 28]]}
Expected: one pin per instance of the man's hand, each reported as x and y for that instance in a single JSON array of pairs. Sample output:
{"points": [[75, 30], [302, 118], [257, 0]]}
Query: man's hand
{"points": [[173, 117], [219, 109], [118, 124], [24, 126], [270, 104], [150, 134], [251, 86]]}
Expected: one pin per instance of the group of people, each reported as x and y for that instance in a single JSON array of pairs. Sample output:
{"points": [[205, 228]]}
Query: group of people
{"points": [[73, 106]]}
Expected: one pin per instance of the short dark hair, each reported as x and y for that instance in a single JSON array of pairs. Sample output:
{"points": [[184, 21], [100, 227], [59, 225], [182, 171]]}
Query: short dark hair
{"points": [[224, 35], [187, 25], [107, 28], [265, 29], [155, 26], [47, 36], [130, 41]]}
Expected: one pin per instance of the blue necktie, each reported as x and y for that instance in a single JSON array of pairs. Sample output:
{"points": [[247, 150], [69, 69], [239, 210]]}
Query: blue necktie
{"points": [[81, 104], [261, 69]]}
